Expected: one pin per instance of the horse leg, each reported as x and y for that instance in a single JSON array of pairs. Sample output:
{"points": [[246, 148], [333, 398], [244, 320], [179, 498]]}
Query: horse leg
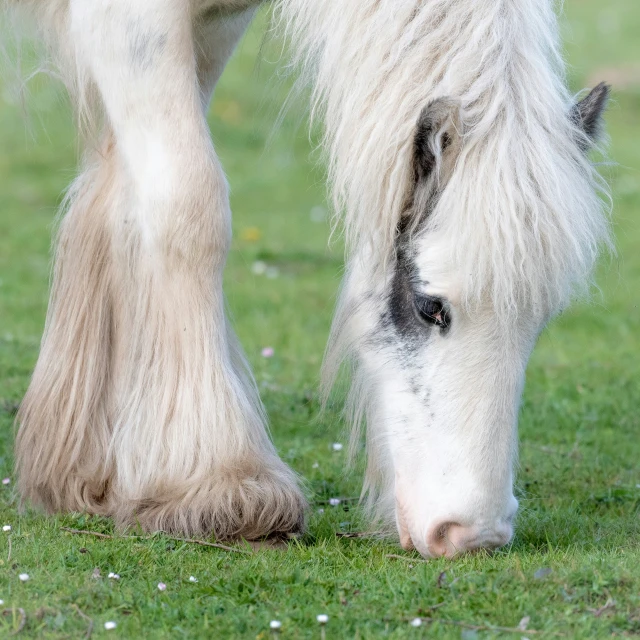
{"points": [[143, 407]]}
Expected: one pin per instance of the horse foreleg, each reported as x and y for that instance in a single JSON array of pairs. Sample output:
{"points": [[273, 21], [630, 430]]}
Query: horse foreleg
{"points": [[141, 406]]}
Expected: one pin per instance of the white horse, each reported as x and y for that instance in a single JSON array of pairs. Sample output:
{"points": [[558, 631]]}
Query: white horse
{"points": [[472, 216]]}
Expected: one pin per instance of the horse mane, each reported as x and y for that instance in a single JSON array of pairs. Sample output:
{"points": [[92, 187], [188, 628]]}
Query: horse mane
{"points": [[523, 210]]}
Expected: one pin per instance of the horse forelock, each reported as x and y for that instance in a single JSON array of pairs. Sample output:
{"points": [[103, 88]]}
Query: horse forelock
{"points": [[523, 209]]}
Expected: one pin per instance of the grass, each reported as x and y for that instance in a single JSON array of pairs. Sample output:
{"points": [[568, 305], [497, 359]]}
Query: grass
{"points": [[574, 566]]}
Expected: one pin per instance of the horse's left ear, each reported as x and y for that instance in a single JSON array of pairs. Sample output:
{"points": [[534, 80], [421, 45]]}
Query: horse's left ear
{"points": [[437, 139], [587, 114]]}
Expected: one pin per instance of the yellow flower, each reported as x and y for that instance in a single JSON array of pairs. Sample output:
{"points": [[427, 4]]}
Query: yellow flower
{"points": [[251, 234]]}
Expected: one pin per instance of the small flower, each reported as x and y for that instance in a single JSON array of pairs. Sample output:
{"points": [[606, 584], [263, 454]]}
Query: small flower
{"points": [[322, 618], [113, 576], [6, 481], [337, 446], [334, 502], [315, 465], [416, 622], [267, 352], [542, 573], [275, 624], [522, 625], [110, 625], [320, 510], [162, 586], [1, 602], [259, 267], [193, 579], [7, 527], [251, 234], [23, 577]]}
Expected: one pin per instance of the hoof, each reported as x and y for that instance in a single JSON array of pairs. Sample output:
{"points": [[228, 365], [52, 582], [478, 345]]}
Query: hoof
{"points": [[231, 505]]}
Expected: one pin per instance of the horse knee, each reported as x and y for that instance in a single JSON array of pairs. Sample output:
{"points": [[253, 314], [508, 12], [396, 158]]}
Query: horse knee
{"points": [[179, 207]]}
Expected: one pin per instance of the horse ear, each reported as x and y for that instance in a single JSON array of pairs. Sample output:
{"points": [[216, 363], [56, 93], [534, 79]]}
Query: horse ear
{"points": [[587, 114], [437, 138]]}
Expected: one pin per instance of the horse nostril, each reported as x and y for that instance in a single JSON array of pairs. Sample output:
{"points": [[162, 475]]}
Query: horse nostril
{"points": [[439, 539], [451, 538]]}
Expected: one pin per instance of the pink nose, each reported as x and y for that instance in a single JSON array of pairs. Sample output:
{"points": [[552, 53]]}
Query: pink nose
{"points": [[450, 539]]}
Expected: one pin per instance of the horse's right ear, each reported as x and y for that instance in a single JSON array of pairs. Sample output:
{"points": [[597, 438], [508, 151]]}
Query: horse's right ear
{"points": [[437, 139], [587, 115]]}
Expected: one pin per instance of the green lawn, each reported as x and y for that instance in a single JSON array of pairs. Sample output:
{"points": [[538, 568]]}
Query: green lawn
{"points": [[574, 566]]}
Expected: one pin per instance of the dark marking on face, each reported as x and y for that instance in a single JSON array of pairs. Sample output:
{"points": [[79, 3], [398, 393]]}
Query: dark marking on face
{"points": [[414, 316], [401, 299]]}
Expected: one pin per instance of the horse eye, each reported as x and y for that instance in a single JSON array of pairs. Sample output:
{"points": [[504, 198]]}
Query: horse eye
{"points": [[432, 310]]}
